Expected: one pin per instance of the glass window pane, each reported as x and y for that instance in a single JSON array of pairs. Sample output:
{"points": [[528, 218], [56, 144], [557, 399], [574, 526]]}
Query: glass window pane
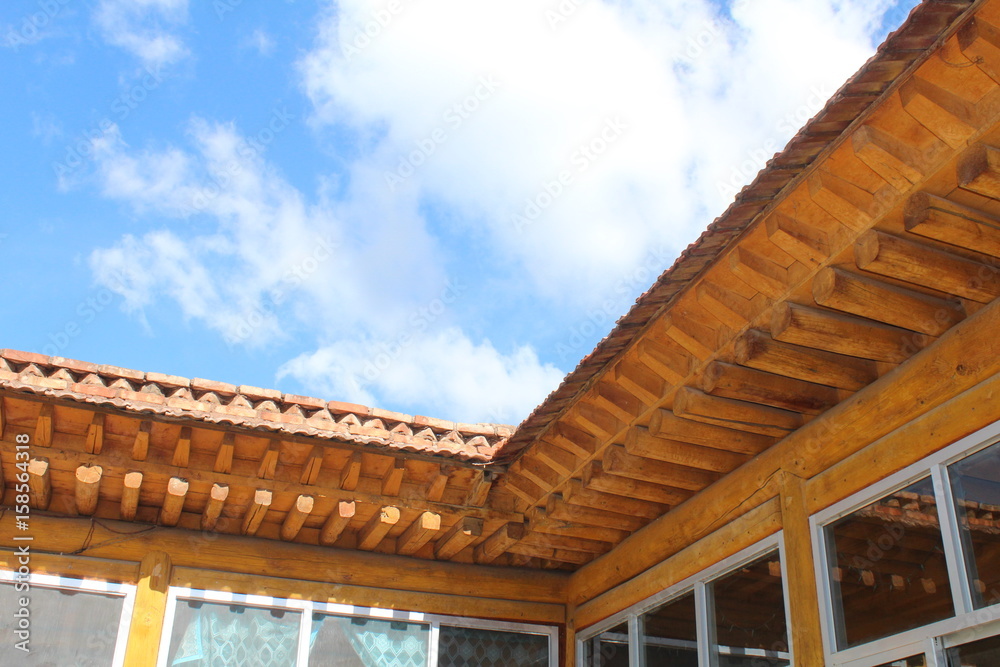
{"points": [[750, 625], [344, 641], [976, 485], [466, 647], [982, 653], [670, 635], [68, 627], [912, 661], [888, 567], [608, 649], [207, 634]]}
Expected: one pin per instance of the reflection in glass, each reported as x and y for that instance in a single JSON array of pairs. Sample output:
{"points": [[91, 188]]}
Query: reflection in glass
{"points": [[68, 627], [467, 647], [207, 634], [975, 482], [750, 623], [345, 641], [608, 649], [888, 567], [912, 661], [670, 635], [982, 653]]}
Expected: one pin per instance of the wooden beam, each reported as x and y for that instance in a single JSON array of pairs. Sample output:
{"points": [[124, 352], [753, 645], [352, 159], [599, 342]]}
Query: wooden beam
{"points": [[522, 487], [550, 554], [618, 461], [575, 493], [296, 517], [581, 544], [482, 481], [852, 206], [564, 463], [312, 466], [619, 402], [254, 514], [43, 426], [95, 434], [573, 439], [537, 471], [807, 243], [760, 273], [439, 482], [130, 495], [418, 533], [224, 457], [499, 542], [757, 349], [393, 477], [901, 164], [39, 483], [640, 442], [889, 304], [665, 424], [182, 450], [979, 171], [149, 610], [806, 636], [338, 520], [754, 386], [640, 381], [350, 473], [140, 446], [943, 220], [217, 496], [844, 334], [377, 527], [920, 264], [949, 117], [595, 478], [464, 532], [541, 522], [666, 359], [269, 460], [3, 419], [88, 484], [173, 501], [695, 405]]}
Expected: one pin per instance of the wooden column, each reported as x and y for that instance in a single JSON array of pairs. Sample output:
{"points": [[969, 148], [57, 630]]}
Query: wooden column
{"points": [[803, 597], [569, 636], [149, 611]]}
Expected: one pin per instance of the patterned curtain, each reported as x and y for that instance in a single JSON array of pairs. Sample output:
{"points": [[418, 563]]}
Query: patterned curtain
{"points": [[373, 642], [225, 636], [466, 647]]}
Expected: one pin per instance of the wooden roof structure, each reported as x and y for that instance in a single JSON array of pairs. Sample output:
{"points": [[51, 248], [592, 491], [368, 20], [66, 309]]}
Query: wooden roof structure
{"points": [[873, 236]]}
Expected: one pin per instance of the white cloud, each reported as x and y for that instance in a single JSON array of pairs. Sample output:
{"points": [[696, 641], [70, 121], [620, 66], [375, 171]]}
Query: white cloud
{"points": [[261, 41], [144, 28]]}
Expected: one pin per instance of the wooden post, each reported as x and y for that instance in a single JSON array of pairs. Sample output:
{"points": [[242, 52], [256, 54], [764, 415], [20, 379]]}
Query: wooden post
{"points": [[149, 611], [803, 598], [569, 637]]}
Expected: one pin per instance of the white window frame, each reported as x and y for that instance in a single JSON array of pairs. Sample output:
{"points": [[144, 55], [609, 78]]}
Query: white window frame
{"points": [[933, 639], [699, 584], [308, 607], [99, 586]]}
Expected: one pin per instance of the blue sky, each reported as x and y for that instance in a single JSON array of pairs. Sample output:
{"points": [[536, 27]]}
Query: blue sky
{"points": [[432, 206]]}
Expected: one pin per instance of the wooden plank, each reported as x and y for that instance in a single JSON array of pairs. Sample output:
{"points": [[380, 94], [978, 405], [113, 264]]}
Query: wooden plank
{"points": [[254, 514], [393, 477], [182, 450], [499, 542], [808, 244], [217, 497], [595, 478], [581, 544], [844, 334], [140, 446], [312, 466], [696, 405], [564, 463], [43, 426], [640, 381], [731, 308], [550, 554], [149, 610], [482, 482], [130, 495], [95, 434], [852, 206], [537, 471], [522, 487], [350, 473], [296, 517], [748, 384], [618, 461], [803, 597], [942, 220], [949, 117], [338, 520], [757, 349], [88, 484], [541, 522], [667, 359], [224, 457], [901, 164], [691, 334], [665, 424], [173, 501], [618, 401], [889, 304], [640, 442], [39, 483], [980, 43], [759, 272], [377, 527], [920, 264], [575, 493], [418, 533], [573, 439], [439, 482], [302, 565], [979, 171], [269, 460], [463, 533]]}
